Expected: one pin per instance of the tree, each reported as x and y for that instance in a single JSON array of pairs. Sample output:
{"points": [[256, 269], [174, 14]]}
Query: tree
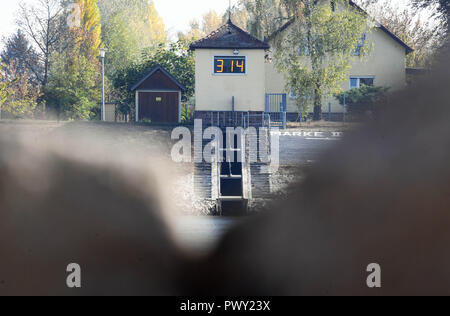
{"points": [[176, 58], [211, 22], [73, 89], [19, 52], [87, 37], [128, 27], [19, 96], [266, 17], [444, 5], [42, 24], [422, 28], [153, 25], [443, 9], [315, 52], [239, 15], [3, 87], [362, 101], [195, 33], [22, 74]]}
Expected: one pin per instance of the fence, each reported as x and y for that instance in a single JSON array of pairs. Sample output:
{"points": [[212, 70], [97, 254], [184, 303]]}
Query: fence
{"points": [[276, 102], [113, 114], [225, 119], [276, 107]]}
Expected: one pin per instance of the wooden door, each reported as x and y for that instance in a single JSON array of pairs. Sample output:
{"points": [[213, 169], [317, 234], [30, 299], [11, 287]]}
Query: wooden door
{"points": [[159, 107]]}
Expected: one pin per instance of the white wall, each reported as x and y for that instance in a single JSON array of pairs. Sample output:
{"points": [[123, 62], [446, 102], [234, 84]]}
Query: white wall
{"points": [[386, 62], [215, 92]]}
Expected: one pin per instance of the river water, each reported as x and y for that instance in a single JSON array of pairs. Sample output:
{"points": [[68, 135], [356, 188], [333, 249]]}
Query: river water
{"points": [[202, 233]]}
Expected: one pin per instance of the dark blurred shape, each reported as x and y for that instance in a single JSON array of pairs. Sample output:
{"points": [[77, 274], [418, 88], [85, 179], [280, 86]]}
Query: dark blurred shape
{"points": [[56, 210], [382, 196]]}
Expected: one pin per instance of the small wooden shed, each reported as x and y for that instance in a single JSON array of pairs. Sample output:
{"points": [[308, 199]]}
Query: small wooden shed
{"points": [[158, 97]]}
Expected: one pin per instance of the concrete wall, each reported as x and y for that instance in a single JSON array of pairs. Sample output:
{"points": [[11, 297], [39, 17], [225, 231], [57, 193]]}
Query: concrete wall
{"points": [[215, 92], [386, 63], [110, 112]]}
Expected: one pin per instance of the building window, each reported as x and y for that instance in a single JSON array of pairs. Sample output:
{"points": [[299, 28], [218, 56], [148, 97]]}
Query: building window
{"points": [[361, 43], [357, 82]]}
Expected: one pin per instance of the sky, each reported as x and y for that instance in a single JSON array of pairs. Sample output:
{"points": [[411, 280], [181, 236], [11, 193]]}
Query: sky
{"points": [[176, 13]]}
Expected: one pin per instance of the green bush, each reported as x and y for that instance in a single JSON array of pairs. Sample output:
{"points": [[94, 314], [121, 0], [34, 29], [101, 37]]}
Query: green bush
{"points": [[175, 58], [73, 89], [362, 101], [187, 114]]}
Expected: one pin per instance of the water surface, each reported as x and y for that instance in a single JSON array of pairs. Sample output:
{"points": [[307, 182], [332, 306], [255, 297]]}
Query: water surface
{"points": [[202, 233]]}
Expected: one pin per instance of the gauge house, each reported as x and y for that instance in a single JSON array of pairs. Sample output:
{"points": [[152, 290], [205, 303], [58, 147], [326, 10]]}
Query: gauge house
{"points": [[236, 80]]}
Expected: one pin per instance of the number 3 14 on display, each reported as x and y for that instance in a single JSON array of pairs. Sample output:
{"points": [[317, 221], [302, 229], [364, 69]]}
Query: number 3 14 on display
{"points": [[229, 65]]}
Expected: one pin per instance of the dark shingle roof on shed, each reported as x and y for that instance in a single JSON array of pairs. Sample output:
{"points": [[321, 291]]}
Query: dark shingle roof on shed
{"points": [[154, 70], [229, 36]]}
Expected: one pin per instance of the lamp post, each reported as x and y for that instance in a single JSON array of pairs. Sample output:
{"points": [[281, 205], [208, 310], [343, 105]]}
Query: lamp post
{"points": [[102, 55]]}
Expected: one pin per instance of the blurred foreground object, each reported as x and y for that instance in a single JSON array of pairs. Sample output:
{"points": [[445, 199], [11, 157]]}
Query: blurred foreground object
{"points": [[63, 204], [382, 196]]}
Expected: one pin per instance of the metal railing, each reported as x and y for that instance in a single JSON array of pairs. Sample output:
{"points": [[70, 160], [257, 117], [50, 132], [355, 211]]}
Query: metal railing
{"points": [[276, 102], [225, 119], [257, 120]]}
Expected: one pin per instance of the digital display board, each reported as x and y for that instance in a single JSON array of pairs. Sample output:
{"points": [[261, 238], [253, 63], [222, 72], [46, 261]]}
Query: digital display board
{"points": [[230, 65]]}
